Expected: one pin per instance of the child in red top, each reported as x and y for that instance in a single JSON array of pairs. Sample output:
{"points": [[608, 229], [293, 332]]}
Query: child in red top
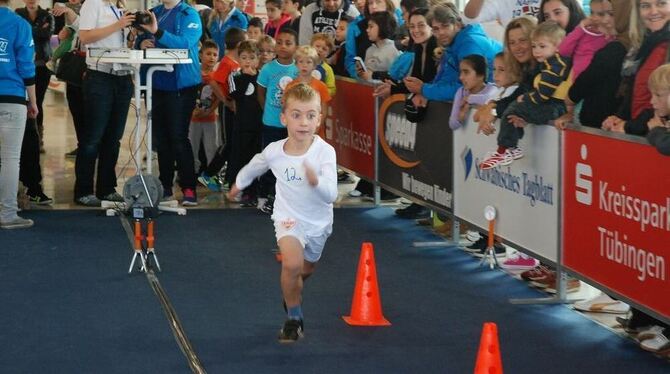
{"points": [[203, 120]]}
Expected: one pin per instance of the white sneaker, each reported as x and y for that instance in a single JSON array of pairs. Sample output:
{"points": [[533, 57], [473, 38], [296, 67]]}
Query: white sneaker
{"points": [[602, 304], [17, 223], [649, 332], [260, 202], [658, 344], [355, 193], [472, 236], [516, 153]]}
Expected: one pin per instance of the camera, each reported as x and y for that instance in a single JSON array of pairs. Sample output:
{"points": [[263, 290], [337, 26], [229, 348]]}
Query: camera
{"points": [[141, 18]]}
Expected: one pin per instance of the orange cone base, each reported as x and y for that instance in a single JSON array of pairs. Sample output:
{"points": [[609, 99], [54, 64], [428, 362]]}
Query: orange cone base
{"points": [[355, 322]]}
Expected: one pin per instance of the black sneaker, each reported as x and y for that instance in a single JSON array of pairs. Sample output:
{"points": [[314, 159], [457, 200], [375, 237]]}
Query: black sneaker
{"points": [[499, 249], [478, 246], [40, 199], [413, 211], [71, 154], [291, 332]]}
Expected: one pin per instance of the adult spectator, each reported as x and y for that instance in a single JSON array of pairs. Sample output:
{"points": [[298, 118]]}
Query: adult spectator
{"points": [[17, 75], [503, 11], [650, 38], [175, 25], [458, 41], [42, 23], [323, 16], [107, 90], [406, 7], [224, 17]]}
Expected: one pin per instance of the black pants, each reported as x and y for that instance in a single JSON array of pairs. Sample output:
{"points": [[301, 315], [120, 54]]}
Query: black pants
{"points": [[75, 102], [42, 78], [246, 145], [171, 118], [30, 173], [223, 153]]}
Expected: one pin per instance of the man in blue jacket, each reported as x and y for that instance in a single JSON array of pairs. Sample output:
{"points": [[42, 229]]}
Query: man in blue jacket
{"points": [[175, 24], [458, 41]]}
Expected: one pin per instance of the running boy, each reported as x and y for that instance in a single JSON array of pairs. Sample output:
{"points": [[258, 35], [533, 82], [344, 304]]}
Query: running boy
{"points": [[305, 167], [540, 105]]}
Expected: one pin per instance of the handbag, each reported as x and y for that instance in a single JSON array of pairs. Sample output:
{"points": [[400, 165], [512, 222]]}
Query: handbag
{"points": [[71, 68]]}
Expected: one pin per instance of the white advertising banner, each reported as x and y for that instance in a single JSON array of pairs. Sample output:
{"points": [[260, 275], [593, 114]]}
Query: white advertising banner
{"points": [[525, 193]]}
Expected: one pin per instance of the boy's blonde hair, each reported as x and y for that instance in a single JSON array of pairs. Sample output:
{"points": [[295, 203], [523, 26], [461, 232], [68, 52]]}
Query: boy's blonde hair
{"points": [[550, 30], [659, 80], [248, 46], [301, 92], [266, 39], [307, 51], [326, 38]]}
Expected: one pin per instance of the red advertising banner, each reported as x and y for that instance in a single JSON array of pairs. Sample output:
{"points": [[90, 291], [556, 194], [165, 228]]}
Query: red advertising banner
{"points": [[616, 216], [350, 126]]}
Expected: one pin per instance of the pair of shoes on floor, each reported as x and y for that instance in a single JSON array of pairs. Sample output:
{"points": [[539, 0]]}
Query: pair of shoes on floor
{"points": [[494, 159], [39, 198], [291, 332], [549, 283], [413, 211], [212, 183], [602, 304], [268, 205], [189, 197], [113, 197], [88, 200], [536, 273], [499, 250], [519, 261], [17, 223]]}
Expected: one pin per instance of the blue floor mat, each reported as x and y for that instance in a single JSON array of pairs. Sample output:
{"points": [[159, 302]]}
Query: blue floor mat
{"points": [[69, 306]]}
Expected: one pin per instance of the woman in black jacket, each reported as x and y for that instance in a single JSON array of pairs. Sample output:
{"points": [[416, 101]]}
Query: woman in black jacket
{"points": [[42, 23]]}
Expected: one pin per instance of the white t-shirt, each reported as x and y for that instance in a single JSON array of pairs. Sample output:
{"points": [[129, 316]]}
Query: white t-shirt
{"points": [[295, 198], [504, 11], [97, 14]]}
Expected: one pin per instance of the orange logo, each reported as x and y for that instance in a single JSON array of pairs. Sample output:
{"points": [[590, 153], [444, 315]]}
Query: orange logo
{"points": [[390, 153]]}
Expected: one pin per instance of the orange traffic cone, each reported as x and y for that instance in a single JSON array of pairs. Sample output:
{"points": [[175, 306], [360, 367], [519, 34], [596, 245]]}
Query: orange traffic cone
{"points": [[488, 358], [366, 306]]}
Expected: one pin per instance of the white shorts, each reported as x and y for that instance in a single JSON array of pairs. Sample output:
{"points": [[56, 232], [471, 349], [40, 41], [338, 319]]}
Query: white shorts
{"points": [[312, 244]]}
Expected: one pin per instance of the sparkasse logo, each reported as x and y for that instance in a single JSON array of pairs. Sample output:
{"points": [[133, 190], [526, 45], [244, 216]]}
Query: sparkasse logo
{"points": [[583, 176]]}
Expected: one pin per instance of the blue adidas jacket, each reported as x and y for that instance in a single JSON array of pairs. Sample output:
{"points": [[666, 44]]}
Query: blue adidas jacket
{"points": [[17, 49], [186, 35], [471, 40], [218, 32]]}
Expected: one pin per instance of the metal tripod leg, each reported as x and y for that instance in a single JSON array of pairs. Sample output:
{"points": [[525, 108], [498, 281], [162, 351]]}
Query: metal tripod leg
{"points": [[142, 259], [490, 256], [152, 253]]}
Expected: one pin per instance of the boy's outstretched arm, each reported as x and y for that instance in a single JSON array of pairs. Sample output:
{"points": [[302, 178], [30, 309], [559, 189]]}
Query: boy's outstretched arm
{"points": [[255, 168]]}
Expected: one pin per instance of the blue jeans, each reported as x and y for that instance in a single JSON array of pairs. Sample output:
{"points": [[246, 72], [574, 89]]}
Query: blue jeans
{"points": [[171, 117], [107, 100]]}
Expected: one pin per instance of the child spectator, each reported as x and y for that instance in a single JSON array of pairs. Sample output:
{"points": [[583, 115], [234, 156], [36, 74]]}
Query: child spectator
{"points": [[255, 29], [540, 105], [241, 5], [306, 59], [324, 16], [292, 8], [475, 90], [276, 19], [324, 45], [272, 81], [248, 117], [224, 17], [588, 37], [381, 54], [506, 83], [336, 58], [567, 13], [227, 65], [203, 120], [659, 125], [266, 50], [305, 167]]}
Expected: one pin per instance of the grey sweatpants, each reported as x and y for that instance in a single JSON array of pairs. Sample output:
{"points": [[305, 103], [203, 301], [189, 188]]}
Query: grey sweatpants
{"points": [[12, 127]]}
